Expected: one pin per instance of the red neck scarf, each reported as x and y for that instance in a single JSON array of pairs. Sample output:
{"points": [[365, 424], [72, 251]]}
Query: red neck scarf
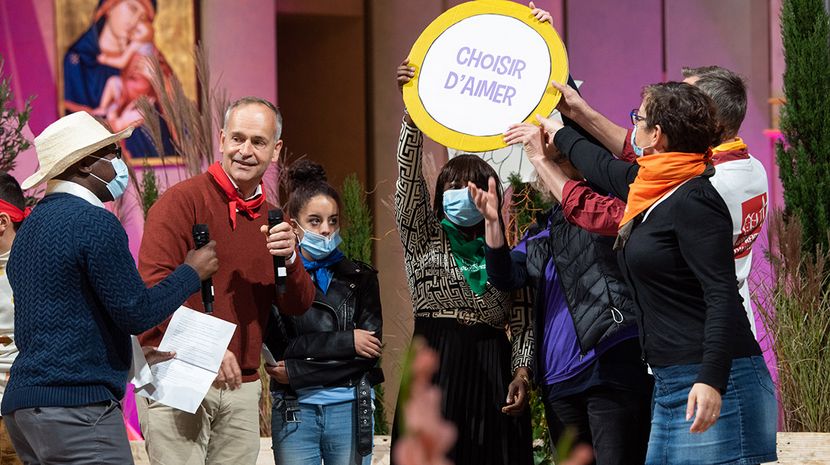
{"points": [[17, 215], [235, 202], [729, 151]]}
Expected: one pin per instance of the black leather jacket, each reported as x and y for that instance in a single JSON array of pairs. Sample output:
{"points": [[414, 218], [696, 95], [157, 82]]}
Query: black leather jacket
{"points": [[318, 346]]}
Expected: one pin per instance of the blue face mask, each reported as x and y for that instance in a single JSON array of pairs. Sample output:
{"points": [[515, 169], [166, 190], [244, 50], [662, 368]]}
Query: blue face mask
{"points": [[637, 149], [118, 185], [318, 245], [460, 209]]}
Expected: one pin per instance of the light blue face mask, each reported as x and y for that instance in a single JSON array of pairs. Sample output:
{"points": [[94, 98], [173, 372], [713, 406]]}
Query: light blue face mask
{"points": [[637, 149], [118, 185], [318, 245], [460, 209]]}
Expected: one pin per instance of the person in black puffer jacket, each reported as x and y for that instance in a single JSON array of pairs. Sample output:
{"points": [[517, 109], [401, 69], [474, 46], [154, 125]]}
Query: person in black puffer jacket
{"points": [[325, 360], [587, 353]]}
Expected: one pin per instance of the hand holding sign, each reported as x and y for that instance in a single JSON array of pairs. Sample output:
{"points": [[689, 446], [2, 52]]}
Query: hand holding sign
{"points": [[480, 67], [405, 74]]}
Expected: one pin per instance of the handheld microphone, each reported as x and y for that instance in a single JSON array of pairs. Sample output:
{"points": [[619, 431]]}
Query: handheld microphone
{"points": [[275, 218], [201, 237]]}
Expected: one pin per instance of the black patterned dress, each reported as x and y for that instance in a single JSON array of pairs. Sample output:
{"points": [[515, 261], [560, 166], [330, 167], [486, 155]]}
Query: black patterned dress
{"points": [[469, 331]]}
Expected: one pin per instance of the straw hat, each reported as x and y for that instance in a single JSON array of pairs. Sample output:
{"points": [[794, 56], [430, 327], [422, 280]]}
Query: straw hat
{"points": [[68, 140]]}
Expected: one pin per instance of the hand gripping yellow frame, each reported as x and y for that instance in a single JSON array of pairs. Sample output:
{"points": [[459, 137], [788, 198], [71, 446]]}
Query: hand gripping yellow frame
{"points": [[458, 140]]}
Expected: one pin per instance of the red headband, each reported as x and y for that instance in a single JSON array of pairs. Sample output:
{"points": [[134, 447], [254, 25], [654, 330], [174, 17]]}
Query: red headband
{"points": [[17, 215]]}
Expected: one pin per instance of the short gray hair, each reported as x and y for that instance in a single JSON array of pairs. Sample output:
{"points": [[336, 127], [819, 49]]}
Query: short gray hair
{"points": [[251, 101], [728, 90]]}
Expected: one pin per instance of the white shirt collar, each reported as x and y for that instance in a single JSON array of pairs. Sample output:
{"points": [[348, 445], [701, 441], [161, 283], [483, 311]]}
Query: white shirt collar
{"points": [[57, 186], [257, 191]]}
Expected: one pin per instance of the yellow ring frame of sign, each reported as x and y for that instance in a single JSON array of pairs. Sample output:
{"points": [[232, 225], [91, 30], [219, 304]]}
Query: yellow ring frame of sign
{"points": [[466, 142]]}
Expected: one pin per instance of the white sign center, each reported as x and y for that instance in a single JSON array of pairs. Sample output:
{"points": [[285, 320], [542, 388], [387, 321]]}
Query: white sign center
{"points": [[478, 82]]}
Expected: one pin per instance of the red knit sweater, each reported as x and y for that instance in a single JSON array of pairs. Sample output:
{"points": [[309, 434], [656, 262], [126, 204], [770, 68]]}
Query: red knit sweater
{"points": [[243, 286]]}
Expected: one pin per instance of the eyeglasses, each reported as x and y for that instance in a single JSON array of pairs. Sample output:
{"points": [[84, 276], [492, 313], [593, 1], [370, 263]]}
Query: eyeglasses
{"points": [[635, 117]]}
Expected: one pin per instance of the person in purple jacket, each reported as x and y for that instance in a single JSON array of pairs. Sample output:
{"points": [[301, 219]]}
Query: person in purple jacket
{"points": [[587, 362]]}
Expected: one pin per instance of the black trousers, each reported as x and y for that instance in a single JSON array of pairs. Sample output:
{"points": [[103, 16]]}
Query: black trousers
{"points": [[473, 375], [616, 422]]}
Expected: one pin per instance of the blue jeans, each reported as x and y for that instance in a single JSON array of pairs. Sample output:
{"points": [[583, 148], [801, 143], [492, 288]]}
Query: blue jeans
{"points": [[744, 433], [324, 433]]}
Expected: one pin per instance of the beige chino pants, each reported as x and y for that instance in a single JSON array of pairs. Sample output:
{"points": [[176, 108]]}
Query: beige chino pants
{"points": [[224, 429]]}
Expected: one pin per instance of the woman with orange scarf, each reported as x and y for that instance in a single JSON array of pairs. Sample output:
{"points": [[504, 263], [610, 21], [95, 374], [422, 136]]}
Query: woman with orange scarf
{"points": [[714, 401]]}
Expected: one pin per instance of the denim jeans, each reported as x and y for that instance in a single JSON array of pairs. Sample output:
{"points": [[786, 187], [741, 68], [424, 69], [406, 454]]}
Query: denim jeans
{"points": [[745, 432], [324, 433]]}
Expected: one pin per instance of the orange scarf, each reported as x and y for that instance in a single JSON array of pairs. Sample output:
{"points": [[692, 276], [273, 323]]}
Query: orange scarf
{"points": [[659, 174], [235, 202]]}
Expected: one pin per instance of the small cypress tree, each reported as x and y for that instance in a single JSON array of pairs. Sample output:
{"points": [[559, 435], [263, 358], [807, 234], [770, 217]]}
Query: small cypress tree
{"points": [[804, 160], [357, 234], [357, 245], [149, 187]]}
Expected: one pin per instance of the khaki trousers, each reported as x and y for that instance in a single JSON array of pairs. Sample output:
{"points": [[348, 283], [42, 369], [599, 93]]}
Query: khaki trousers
{"points": [[224, 429]]}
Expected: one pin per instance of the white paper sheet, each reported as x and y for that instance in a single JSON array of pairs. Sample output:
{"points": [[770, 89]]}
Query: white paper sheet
{"points": [[140, 373], [200, 342], [268, 356]]}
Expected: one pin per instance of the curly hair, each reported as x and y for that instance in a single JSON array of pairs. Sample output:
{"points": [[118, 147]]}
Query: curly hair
{"points": [[306, 180], [685, 114]]}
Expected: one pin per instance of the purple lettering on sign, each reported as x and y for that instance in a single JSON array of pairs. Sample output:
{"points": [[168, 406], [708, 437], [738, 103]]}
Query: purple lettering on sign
{"points": [[462, 51], [491, 90]]}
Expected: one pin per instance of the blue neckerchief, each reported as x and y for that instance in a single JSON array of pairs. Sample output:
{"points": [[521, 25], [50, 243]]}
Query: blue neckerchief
{"points": [[320, 268]]}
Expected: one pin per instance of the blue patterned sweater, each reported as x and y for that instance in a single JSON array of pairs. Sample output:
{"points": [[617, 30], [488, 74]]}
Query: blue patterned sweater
{"points": [[78, 297]]}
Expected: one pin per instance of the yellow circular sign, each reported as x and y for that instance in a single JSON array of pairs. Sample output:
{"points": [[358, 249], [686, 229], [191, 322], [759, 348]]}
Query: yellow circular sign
{"points": [[480, 67]]}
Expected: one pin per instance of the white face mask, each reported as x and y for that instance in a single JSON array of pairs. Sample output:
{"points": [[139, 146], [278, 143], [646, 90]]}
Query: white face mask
{"points": [[460, 208], [318, 245], [118, 185], [637, 149]]}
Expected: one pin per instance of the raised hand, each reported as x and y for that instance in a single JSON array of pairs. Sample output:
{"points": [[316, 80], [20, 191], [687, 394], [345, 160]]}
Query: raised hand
{"points": [[531, 137], [540, 14], [550, 125], [486, 201], [404, 74], [571, 104]]}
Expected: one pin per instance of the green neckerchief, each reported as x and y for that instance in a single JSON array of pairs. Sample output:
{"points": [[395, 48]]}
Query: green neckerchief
{"points": [[469, 256]]}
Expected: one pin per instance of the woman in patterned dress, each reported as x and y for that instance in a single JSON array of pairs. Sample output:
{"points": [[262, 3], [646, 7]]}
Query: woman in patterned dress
{"points": [[483, 375]]}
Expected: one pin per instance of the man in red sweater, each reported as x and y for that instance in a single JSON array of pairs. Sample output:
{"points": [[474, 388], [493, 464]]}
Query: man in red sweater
{"points": [[230, 199]]}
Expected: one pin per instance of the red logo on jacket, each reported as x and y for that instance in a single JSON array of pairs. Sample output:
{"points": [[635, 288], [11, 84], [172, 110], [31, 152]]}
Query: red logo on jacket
{"points": [[753, 214]]}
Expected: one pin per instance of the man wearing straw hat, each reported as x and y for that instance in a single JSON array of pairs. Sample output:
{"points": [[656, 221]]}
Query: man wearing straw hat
{"points": [[78, 297]]}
